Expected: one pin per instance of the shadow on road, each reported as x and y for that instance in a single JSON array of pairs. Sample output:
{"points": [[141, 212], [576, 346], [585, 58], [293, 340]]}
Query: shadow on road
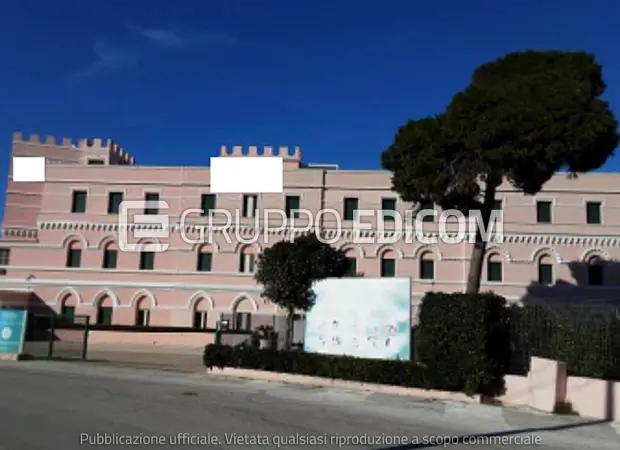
{"points": [[466, 439]]}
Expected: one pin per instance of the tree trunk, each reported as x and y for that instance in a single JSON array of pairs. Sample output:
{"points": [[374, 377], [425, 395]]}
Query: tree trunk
{"points": [[476, 262], [290, 323]]}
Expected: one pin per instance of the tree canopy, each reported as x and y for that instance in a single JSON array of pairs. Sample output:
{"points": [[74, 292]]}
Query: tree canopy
{"points": [[522, 118], [288, 269]]}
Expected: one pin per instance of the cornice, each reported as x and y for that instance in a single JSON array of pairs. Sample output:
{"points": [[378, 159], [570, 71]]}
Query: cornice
{"points": [[195, 230]]}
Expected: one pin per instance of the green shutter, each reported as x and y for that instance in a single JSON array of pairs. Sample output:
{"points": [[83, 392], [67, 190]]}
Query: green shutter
{"points": [[388, 206], [204, 262], [543, 212], [114, 201], [427, 206], [494, 271], [388, 267], [147, 260], [350, 208], [427, 269], [593, 213], [104, 315], [351, 266], [109, 259], [79, 202], [292, 206], [207, 203], [545, 274], [74, 257], [68, 312], [497, 205]]}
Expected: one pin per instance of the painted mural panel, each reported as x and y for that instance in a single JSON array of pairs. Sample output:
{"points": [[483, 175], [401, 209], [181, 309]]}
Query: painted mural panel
{"points": [[362, 317]]}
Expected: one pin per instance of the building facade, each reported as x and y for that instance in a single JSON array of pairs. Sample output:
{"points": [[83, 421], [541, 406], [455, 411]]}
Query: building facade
{"points": [[61, 237]]}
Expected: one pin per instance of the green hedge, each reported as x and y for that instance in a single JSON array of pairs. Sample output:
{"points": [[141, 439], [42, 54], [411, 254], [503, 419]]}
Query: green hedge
{"points": [[462, 342], [586, 339], [397, 373], [465, 339]]}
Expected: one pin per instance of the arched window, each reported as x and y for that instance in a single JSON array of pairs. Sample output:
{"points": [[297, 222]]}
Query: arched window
{"points": [[204, 259], [495, 272], [74, 254], [247, 258], [545, 270], [388, 264], [143, 312], [427, 267], [596, 271], [110, 256]]}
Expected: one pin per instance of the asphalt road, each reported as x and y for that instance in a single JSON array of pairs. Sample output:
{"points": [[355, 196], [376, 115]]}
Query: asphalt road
{"points": [[54, 405]]}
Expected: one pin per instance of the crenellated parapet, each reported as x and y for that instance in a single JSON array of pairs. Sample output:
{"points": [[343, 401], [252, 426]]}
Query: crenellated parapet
{"points": [[115, 153], [288, 153]]}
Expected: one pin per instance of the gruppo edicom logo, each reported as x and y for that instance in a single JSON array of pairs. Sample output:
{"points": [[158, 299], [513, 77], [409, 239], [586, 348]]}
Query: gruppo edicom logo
{"points": [[145, 226]]}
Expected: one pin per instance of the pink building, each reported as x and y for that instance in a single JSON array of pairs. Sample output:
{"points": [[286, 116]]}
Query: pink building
{"points": [[61, 238]]}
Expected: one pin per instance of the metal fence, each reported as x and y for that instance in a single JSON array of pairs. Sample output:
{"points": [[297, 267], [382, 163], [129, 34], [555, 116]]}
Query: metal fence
{"points": [[51, 336], [585, 337]]}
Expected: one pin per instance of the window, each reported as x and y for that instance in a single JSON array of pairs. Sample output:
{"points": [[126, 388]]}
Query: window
{"points": [[388, 207], [243, 321], [427, 208], [596, 272], [200, 319], [68, 312], [204, 262], [350, 208], [147, 260], [78, 203], [427, 268], [497, 205], [104, 315], [5, 256], [142, 317], [543, 212], [246, 262], [351, 266], [545, 270], [207, 204], [74, 257], [494, 269], [250, 204], [114, 202], [292, 206], [151, 208], [593, 213], [96, 162], [109, 258], [388, 267]]}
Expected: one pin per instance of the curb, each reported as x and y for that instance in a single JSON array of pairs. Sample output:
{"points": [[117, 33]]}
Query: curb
{"points": [[304, 380]]}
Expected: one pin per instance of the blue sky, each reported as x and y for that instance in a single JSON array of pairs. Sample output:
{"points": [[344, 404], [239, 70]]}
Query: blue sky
{"points": [[171, 81]]}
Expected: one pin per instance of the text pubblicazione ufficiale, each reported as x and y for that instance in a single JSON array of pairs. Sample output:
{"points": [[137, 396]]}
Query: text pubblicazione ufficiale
{"points": [[339, 440]]}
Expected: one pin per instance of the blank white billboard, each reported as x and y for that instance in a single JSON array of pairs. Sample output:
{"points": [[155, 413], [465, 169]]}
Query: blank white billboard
{"points": [[247, 174]]}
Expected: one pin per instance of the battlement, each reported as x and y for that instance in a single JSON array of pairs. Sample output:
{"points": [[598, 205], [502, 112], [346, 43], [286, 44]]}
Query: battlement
{"points": [[282, 152], [116, 153]]}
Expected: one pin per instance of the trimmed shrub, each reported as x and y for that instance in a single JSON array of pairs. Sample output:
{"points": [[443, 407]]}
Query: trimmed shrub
{"points": [[464, 340], [397, 373]]}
